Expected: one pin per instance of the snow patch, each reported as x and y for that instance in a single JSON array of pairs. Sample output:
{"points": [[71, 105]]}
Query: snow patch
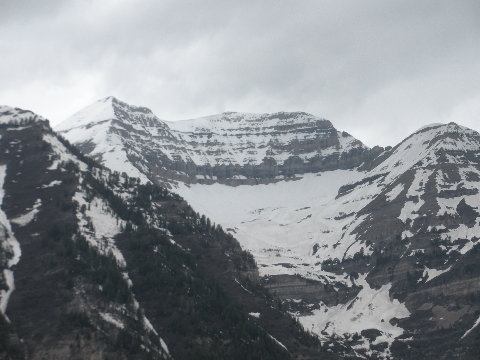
{"points": [[410, 210], [433, 273], [448, 206], [99, 226], [11, 115], [52, 183], [112, 320], [370, 309], [26, 218]]}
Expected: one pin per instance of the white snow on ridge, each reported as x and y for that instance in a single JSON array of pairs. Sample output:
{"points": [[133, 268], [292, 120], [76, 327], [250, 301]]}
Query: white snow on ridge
{"points": [[108, 147], [218, 123], [246, 138], [442, 183], [421, 147], [93, 124], [98, 111], [228, 138], [9, 243], [430, 126], [10, 115]]}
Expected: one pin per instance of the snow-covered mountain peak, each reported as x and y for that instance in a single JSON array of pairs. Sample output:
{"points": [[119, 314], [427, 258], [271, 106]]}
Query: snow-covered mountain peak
{"points": [[99, 111], [430, 145], [449, 136], [230, 146], [13, 115], [240, 120], [110, 108], [249, 138]]}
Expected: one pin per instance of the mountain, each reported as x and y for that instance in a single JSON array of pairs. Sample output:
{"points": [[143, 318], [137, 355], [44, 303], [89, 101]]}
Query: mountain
{"points": [[232, 148], [99, 265], [374, 250]]}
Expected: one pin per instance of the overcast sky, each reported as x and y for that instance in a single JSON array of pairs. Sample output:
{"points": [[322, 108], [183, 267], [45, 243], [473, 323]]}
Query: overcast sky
{"points": [[378, 69]]}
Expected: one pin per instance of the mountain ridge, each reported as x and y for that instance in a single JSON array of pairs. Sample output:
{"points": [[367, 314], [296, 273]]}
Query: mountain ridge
{"points": [[234, 147]]}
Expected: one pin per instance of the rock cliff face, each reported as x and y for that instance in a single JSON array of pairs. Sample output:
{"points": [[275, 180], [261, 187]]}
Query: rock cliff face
{"points": [[374, 250], [232, 148]]}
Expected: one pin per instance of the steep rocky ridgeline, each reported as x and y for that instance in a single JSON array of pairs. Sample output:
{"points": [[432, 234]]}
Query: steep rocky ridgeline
{"points": [[97, 265], [233, 148]]}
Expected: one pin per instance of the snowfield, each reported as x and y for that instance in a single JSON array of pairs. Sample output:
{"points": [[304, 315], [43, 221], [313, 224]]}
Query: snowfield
{"points": [[281, 222]]}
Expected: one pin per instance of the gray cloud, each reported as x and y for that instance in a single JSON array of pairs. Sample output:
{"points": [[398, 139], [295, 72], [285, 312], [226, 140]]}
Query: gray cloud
{"points": [[378, 69]]}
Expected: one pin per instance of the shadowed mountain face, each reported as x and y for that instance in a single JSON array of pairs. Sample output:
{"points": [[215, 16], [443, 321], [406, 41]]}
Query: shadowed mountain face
{"points": [[98, 265], [374, 250]]}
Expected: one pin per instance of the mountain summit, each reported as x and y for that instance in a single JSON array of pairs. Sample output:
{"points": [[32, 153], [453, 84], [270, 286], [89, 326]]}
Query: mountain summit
{"points": [[229, 147]]}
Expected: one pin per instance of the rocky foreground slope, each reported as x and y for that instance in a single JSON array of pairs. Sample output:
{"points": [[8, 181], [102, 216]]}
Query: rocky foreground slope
{"points": [[97, 265], [375, 250]]}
